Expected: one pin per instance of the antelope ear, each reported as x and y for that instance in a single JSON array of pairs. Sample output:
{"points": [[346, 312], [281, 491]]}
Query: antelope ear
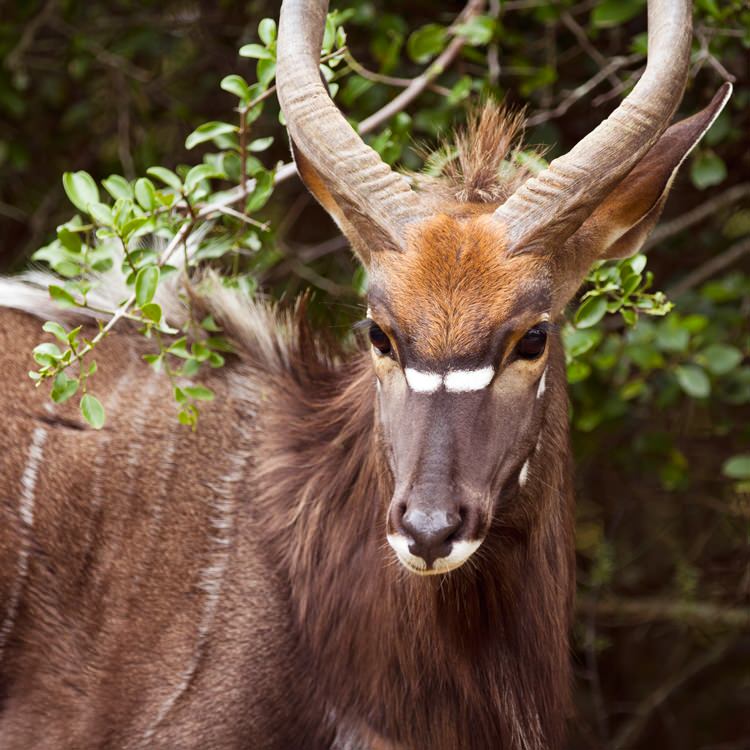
{"points": [[364, 234], [622, 222]]}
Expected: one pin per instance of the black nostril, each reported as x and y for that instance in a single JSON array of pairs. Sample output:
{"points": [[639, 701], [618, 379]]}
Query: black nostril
{"points": [[432, 532]]}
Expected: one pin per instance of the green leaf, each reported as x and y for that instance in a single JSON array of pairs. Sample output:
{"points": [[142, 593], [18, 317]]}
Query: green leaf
{"points": [[92, 411], [616, 12], [199, 392], [167, 176], [62, 296], [47, 354], [63, 388], [146, 283], [478, 30], [637, 263], [578, 371], [152, 312], [56, 330], [133, 226], [101, 213], [256, 51], [260, 144], [262, 192], [197, 174], [426, 42], [630, 283], [73, 337], [266, 70], [80, 189], [267, 31], [118, 187], [70, 240], [145, 194], [693, 380], [208, 131], [179, 349], [209, 324], [578, 342], [238, 86], [591, 312], [720, 359], [707, 169], [737, 467]]}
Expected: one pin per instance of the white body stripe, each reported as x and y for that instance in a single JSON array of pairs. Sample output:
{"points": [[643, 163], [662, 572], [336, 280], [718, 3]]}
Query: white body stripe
{"points": [[455, 381], [26, 505], [212, 580]]}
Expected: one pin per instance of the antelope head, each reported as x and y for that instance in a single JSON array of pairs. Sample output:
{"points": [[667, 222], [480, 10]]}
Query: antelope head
{"points": [[463, 297]]}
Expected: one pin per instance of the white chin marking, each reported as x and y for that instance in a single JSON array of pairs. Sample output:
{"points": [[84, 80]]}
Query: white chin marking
{"points": [[524, 475], [460, 381], [459, 554], [542, 384], [423, 382]]}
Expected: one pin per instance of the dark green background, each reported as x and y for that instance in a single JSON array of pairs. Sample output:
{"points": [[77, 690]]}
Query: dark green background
{"points": [[662, 643]]}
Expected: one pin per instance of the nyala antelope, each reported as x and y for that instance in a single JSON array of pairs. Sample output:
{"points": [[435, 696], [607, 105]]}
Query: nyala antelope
{"points": [[363, 550]]}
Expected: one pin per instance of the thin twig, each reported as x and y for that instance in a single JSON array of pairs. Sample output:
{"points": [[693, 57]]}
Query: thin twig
{"points": [[12, 212], [370, 75], [647, 610], [421, 82], [493, 51], [582, 38], [616, 63], [29, 33], [698, 214], [630, 732], [264, 225], [710, 268], [630, 81]]}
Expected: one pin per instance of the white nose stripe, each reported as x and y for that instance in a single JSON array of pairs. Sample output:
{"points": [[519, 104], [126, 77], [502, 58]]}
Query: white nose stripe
{"points": [[455, 381]]}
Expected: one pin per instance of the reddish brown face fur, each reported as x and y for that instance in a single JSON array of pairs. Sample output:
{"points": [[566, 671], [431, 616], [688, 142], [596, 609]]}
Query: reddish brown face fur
{"points": [[454, 287], [459, 408]]}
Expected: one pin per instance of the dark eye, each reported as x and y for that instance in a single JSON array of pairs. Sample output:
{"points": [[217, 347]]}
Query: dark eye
{"points": [[379, 339], [531, 346]]}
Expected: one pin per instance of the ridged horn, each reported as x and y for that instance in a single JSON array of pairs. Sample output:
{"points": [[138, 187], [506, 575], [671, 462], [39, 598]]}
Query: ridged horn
{"points": [[363, 186], [553, 204]]}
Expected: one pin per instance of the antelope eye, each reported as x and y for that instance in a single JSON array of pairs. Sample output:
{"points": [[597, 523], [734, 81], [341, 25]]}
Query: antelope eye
{"points": [[379, 339], [532, 345]]}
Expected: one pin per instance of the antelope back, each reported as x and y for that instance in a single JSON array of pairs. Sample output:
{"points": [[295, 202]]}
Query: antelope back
{"points": [[137, 608]]}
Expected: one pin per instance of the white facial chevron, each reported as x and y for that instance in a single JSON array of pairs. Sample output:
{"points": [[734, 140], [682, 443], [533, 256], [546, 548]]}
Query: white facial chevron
{"points": [[455, 381], [423, 382], [458, 381]]}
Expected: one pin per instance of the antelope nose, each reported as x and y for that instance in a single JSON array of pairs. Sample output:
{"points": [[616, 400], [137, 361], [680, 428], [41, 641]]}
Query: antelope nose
{"points": [[432, 532]]}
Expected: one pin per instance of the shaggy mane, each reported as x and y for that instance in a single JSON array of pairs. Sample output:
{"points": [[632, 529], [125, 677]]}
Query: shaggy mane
{"points": [[483, 161]]}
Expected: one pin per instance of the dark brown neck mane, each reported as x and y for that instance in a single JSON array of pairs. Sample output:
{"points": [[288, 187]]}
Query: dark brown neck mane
{"points": [[475, 659]]}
